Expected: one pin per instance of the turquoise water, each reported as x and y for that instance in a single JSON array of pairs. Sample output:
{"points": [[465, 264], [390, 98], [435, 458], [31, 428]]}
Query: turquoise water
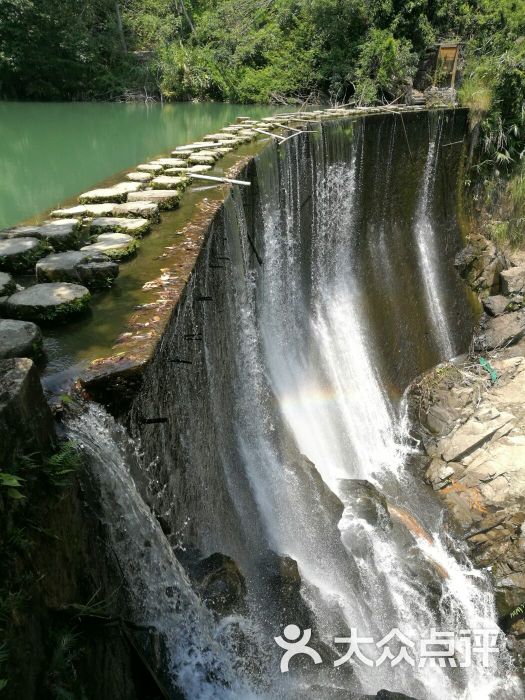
{"points": [[50, 152]]}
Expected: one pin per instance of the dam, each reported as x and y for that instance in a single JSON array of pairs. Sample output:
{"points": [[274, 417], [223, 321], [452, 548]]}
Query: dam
{"points": [[261, 427]]}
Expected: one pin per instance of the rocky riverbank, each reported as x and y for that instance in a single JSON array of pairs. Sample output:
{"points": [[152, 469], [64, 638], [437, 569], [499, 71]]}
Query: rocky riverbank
{"points": [[470, 418]]}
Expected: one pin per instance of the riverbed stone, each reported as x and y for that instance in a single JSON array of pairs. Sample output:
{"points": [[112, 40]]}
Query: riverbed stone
{"points": [[48, 302], [153, 168], [21, 254], [141, 209], [94, 271], [7, 284], [199, 159], [19, 339], [133, 227], [166, 182], [117, 193], [501, 331], [139, 176], [117, 246], [165, 199], [495, 305], [171, 162], [513, 280]]}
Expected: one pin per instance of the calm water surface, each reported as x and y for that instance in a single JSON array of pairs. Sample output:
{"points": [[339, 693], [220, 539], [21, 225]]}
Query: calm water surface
{"points": [[50, 152]]}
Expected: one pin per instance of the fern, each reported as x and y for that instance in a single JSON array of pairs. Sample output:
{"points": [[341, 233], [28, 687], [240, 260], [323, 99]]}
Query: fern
{"points": [[62, 464], [520, 610]]}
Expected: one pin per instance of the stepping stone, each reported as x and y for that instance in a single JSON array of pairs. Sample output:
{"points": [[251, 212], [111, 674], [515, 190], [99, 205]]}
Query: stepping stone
{"points": [[85, 210], [7, 284], [116, 246], [213, 137], [152, 168], [19, 339], [171, 162], [199, 169], [141, 209], [165, 182], [93, 270], [21, 232], [139, 177], [187, 171], [20, 254], [223, 150], [205, 153], [117, 193], [133, 227], [166, 199], [50, 302], [61, 235], [199, 159]]}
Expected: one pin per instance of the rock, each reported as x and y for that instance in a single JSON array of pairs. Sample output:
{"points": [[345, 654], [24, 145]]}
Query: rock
{"points": [[513, 280], [480, 264], [365, 502], [49, 302], [170, 162], [220, 583], [21, 254], [472, 435], [133, 227], [7, 284], [61, 235], [21, 232], [117, 246], [501, 331], [165, 182], [200, 159], [26, 424], [152, 168], [95, 271], [19, 339], [496, 305], [141, 209], [165, 199], [117, 193], [139, 176], [438, 474], [199, 169], [85, 210]]}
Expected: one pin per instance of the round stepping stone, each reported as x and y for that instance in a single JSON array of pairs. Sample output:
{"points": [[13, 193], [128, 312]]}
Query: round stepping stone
{"points": [[22, 232], [193, 169], [152, 168], [165, 182], [61, 235], [142, 209], [19, 339], [199, 159], [20, 254], [171, 162], [117, 246], [7, 284], [117, 193], [166, 199], [50, 302], [139, 176], [95, 271], [133, 227], [86, 210]]}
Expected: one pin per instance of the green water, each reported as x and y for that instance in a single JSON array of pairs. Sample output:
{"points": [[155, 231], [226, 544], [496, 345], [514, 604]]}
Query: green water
{"points": [[50, 152]]}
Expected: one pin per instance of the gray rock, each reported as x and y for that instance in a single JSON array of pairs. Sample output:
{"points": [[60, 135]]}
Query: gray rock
{"points": [[166, 199], [513, 280], [117, 193], [95, 271], [61, 235], [165, 182], [501, 331], [201, 159], [86, 210], [495, 305], [473, 434], [20, 254], [220, 583], [438, 474], [26, 424], [170, 162], [117, 246], [365, 502], [152, 168], [22, 232], [19, 339], [7, 284], [48, 302], [142, 209], [139, 176], [133, 227]]}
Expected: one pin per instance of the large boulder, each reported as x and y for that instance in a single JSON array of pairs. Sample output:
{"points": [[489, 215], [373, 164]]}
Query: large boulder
{"points": [[93, 270], [501, 331], [480, 264], [19, 339], [21, 254], [49, 302], [117, 246], [26, 424], [513, 280]]}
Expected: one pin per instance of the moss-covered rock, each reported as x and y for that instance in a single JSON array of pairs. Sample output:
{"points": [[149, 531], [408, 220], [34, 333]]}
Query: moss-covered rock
{"points": [[95, 271], [200, 159], [133, 227], [117, 246], [48, 303], [19, 339], [168, 182], [7, 284], [117, 193], [165, 199], [21, 254], [138, 176], [61, 235]]}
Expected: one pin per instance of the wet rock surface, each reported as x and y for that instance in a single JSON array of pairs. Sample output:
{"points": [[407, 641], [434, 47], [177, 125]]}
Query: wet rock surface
{"points": [[19, 339], [131, 226], [93, 270], [20, 254], [48, 302], [117, 246]]}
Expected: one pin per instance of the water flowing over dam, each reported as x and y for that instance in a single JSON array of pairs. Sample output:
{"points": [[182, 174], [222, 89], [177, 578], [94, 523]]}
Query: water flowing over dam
{"points": [[281, 433]]}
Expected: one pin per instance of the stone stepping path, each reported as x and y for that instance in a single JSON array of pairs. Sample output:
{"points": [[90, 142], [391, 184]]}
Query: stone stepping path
{"points": [[133, 227], [48, 303], [7, 284], [93, 270], [165, 199], [21, 254], [61, 235], [19, 339], [117, 246], [117, 193]]}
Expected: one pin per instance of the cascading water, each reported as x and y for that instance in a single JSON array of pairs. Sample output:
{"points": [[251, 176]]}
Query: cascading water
{"points": [[293, 399]]}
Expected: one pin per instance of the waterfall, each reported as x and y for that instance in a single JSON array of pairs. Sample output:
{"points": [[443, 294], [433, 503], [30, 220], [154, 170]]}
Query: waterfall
{"points": [[292, 399]]}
